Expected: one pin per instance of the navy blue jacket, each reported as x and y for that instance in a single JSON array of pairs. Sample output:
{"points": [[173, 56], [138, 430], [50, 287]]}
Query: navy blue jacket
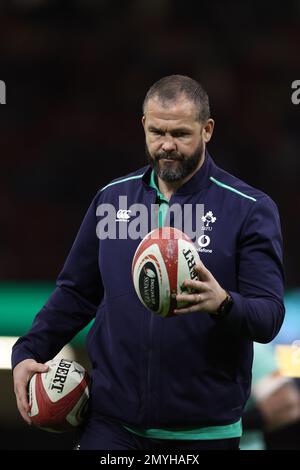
{"points": [[188, 370]]}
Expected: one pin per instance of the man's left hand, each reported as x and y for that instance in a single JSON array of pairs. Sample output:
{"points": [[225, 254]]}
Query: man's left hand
{"points": [[208, 294]]}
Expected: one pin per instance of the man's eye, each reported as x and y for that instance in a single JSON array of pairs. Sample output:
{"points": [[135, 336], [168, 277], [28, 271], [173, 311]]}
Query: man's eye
{"points": [[156, 132], [180, 134]]}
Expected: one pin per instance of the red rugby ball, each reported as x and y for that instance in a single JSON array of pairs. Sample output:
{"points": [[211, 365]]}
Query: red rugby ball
{"points": [[58, 397], [163, 260]]}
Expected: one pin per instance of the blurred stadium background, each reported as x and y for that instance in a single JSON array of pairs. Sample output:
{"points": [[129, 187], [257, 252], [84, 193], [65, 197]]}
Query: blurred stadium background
{"points": [[76, 72]]}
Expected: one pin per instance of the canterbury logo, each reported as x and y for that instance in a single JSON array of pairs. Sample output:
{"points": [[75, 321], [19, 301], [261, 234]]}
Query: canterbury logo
{"points": [[123, 215]]}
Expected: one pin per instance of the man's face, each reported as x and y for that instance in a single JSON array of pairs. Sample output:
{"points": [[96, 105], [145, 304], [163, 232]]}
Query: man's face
{"points": [[175, 139]]}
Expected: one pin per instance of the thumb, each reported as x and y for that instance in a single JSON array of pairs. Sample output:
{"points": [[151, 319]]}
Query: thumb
{"points": [[202, 271], [41, 367]]}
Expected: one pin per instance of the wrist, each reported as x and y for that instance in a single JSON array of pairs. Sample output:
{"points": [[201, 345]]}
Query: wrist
{"points": [[225, 306]]}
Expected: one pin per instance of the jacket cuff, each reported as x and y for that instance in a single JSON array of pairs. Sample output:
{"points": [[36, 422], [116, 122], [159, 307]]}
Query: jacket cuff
{"points": [[235, 316], [19, 356]]}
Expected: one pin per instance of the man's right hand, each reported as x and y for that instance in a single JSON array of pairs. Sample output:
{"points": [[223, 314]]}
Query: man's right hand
{"points": [[22, 373]]}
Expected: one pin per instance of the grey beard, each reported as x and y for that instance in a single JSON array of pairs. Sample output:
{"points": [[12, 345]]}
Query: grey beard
{"points": [[183, 168]]}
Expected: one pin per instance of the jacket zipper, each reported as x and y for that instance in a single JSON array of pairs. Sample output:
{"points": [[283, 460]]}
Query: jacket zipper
{"points": [[151, 413], [150, 356]]}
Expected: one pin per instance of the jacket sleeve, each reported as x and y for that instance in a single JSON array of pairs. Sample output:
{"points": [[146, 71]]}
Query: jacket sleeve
{"points": [[73, 303], [258, 309]]}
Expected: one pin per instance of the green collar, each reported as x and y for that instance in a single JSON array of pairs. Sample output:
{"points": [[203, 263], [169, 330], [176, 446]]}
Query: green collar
{"points": [[154, 186]]}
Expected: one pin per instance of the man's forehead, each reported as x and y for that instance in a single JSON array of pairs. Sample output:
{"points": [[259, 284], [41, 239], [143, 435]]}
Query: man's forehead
{"points": [[177, 109]]}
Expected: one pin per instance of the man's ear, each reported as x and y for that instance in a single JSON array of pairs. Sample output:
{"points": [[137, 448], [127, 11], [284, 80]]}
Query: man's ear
{"points": [[207, 130], [143, 121]]}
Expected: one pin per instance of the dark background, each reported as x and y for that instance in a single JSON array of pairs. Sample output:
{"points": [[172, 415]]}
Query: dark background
{"points": [[76, 74]]}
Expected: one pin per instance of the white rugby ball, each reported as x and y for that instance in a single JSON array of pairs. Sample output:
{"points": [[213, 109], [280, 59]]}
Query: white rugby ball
{"points": [[58, 397], [163, 260]]}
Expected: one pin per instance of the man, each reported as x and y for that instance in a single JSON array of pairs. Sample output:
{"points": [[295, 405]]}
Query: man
{"points": [[179, 382]]}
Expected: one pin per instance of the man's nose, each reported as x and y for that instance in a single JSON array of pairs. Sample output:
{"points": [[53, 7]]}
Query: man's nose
{"points": [[168, 144]]}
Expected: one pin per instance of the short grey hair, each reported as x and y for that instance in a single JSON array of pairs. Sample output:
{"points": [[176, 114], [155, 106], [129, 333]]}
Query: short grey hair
{"points": [[168, 89]]}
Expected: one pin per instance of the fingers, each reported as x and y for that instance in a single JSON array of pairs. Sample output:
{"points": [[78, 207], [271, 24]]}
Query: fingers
{"points": [[204, 276], [40, 367], [202, 295], [23, 406], [195, 298], [192, 284], [203, 273], [22, 375], [191, 309]]}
